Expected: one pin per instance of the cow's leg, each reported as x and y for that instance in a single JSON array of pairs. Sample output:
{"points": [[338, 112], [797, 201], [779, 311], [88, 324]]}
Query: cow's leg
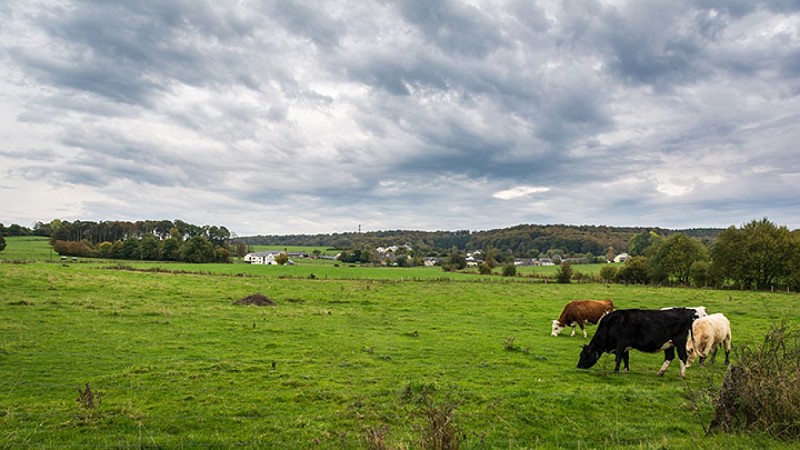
{"points": [[669, 355], [726, 345], [573, 330], [714, 354], [702, 361], [621, 355], [682, 356], [582, 329], [625, 358]]}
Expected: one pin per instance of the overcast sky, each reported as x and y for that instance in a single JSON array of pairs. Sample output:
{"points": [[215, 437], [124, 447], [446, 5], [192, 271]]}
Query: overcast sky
{"points": [[297, 117]]}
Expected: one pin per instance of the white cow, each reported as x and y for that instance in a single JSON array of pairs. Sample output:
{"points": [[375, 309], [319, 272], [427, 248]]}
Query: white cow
{"points": [[708, 333]]}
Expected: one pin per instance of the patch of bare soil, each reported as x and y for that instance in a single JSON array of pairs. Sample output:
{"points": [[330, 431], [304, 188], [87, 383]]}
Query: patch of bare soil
{"points": [[255, 299]]}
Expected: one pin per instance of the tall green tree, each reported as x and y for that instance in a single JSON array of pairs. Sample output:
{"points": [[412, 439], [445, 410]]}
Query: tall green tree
{"points": [[455, 261], [171, 249], [149, 247], [197, 249], [674, 257], [755, 255], [131, 249], [640, 243]]}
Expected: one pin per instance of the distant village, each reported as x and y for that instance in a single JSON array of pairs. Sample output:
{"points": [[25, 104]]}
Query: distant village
{"points": [[387, 256]]}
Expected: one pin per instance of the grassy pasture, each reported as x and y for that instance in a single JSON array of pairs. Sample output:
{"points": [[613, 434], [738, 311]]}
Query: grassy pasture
{"points": [[28, 248], [177, 364]]}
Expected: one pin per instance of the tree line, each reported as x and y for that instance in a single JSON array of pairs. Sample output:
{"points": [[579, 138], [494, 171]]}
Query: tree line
{"points": [[759, 255], [150, 240], [522, 241]]}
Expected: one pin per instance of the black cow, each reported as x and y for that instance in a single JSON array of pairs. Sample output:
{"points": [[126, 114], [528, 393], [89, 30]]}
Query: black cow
{"points": [[641, 329]]}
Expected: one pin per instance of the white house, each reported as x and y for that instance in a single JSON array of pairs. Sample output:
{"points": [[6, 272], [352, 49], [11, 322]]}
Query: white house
{"points": [[265, 257], [430, 261], [472, 261], [622, 257]]}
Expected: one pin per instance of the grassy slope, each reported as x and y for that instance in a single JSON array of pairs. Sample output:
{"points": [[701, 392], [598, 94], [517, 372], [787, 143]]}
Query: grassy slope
{"points": [[179, 365], [28, 248]]}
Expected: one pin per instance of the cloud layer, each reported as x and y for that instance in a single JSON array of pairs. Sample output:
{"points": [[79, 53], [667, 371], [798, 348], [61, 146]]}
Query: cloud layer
{"points": [[276, 117]]}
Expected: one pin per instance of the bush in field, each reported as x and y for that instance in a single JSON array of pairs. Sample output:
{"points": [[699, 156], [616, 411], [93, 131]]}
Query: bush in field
{"points": [[223, 255], [634, 271], [485, 268], [509, 270], [82, 248], [2, 243], [456, 261], [564, 274], [762, 391], [608, 273]]}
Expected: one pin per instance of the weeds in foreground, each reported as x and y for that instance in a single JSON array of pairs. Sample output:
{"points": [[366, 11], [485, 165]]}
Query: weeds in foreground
{"points": [[761, 392], [376, 437], [437, 426], [89, 399], [439, 431]]}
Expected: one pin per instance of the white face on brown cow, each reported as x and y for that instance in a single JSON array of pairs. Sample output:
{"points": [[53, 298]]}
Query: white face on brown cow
{"points": [[556, 329]]}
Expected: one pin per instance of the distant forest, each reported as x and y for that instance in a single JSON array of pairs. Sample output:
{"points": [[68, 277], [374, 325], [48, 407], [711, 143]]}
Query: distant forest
{"points": [[520, 240]]}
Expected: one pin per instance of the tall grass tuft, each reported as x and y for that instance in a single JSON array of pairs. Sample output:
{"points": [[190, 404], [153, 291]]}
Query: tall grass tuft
{"points": [[439, 431], [376, 438]]}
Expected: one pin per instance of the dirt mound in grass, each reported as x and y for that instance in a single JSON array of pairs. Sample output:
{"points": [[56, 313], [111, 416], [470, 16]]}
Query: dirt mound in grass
{"points": [[255, 299]]}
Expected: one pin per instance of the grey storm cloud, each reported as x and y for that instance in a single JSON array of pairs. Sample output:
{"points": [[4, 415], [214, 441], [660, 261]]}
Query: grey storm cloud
{"points": [[434, 114]]}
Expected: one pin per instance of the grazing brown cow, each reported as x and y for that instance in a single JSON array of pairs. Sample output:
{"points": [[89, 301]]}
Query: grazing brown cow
{"points": [[581, 312]]}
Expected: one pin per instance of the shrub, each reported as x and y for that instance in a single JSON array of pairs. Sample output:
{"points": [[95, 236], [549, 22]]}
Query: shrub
{"points": [[762, 392], [634, 271], [509, 270], [564, 274], [608, 273], [485, 268]]}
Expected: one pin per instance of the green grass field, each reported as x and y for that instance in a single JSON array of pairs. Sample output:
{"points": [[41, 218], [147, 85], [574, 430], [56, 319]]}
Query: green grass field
{"points": [[173, 363]]}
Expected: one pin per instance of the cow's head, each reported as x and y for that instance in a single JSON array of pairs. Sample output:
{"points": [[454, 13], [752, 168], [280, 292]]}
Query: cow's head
{"points": [[589, 357], [556, 328], [691, 354]]}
